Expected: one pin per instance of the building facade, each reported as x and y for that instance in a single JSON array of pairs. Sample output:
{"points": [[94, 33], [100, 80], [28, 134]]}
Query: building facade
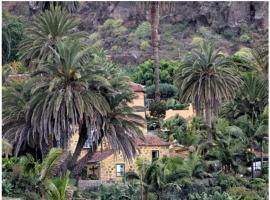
{"points": [[107, 165]]}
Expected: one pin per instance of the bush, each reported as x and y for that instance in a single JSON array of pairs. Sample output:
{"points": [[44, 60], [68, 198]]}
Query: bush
{"points": [[16, 182], [166, 91], [143, 30], [13, 34], [229, 33], [245, 38], [144, 74], [215, 196], [175, 105], [197, 40], [95, 40], [158, 109], [145, 44], [246, 193]]}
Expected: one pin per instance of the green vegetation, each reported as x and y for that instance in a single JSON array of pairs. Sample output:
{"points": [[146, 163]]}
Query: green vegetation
{"points": [[12, 33], [144, 74], [166, 91], [59, 82]]}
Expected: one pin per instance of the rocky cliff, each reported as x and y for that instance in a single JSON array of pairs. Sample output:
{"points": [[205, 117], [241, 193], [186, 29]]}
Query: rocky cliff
{"points": [[122, 28]]}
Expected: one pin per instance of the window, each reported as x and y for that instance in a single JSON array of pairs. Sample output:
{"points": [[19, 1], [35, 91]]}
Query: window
{"points": [[120, 170], [155, 154]]}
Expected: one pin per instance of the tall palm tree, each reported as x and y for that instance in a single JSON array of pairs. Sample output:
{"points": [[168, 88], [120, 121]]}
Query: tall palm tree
{"points": [[120, 127], [66, 96], [206, 76], [45, 32], [155, 45], [155, 8]]}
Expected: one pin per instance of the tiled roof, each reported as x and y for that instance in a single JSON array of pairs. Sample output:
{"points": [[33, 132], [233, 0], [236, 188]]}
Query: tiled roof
{"points": [[137, 87], [100, 155], [151, 140]]}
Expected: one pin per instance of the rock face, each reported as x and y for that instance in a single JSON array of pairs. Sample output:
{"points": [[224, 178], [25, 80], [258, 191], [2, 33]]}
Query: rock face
{"points": [[213, 14], [229, 25]]}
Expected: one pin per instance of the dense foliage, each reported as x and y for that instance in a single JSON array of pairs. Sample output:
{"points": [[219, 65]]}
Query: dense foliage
{"points": [[65, 84], [145, 72]]}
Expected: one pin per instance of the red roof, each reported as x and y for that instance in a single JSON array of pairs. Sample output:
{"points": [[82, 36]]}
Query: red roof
{"points": [[100, 155], [151, 140], [137, 87]]}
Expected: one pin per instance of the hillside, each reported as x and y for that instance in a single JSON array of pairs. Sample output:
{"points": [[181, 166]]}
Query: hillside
{"points": [[123, 30]]}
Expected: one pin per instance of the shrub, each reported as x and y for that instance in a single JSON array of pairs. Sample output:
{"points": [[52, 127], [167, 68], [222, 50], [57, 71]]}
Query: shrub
{"points": [[246, 193], [166, 91], [197, 40], [229, 33], [215, 196], [158, 109], [145, 44], [244, 53], [175, 105], [144, 74], [112, 23], [95, 40], [245, 38], [143, 30], [12, 32]]}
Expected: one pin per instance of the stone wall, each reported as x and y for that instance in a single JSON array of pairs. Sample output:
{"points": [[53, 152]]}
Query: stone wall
{"points": [[108, 166]]}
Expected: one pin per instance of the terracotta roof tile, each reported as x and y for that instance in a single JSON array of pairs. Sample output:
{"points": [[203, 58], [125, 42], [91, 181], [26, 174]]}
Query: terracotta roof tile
{"points": [[100, 155], [151, 140]]}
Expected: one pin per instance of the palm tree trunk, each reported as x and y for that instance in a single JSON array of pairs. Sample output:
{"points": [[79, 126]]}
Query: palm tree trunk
{"points": [[77, 169], [43, 192], [155, 44], [208, 115], [79, 147]]}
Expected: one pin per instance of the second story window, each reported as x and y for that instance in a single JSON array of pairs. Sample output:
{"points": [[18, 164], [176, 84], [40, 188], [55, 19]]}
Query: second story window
{"points": [[120, 169]]}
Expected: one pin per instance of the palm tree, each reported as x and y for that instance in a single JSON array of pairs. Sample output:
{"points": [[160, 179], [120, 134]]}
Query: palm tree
{"points": [[155, 45], [81, 94], [228, 144], [57, 188], [206, 76], [155, 8], [70, 6], [258, 59], [251, 98], [50, 167], [66, 96], [45, 32], [16, 130], [158, 176]]}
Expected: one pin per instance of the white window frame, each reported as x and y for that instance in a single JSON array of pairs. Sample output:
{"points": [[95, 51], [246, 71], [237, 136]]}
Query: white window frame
{"points": [[120, 172], [157, 151]]}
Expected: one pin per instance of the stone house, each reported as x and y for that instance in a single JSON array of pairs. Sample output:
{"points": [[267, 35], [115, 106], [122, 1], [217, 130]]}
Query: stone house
{"points": [[106, 165]]}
